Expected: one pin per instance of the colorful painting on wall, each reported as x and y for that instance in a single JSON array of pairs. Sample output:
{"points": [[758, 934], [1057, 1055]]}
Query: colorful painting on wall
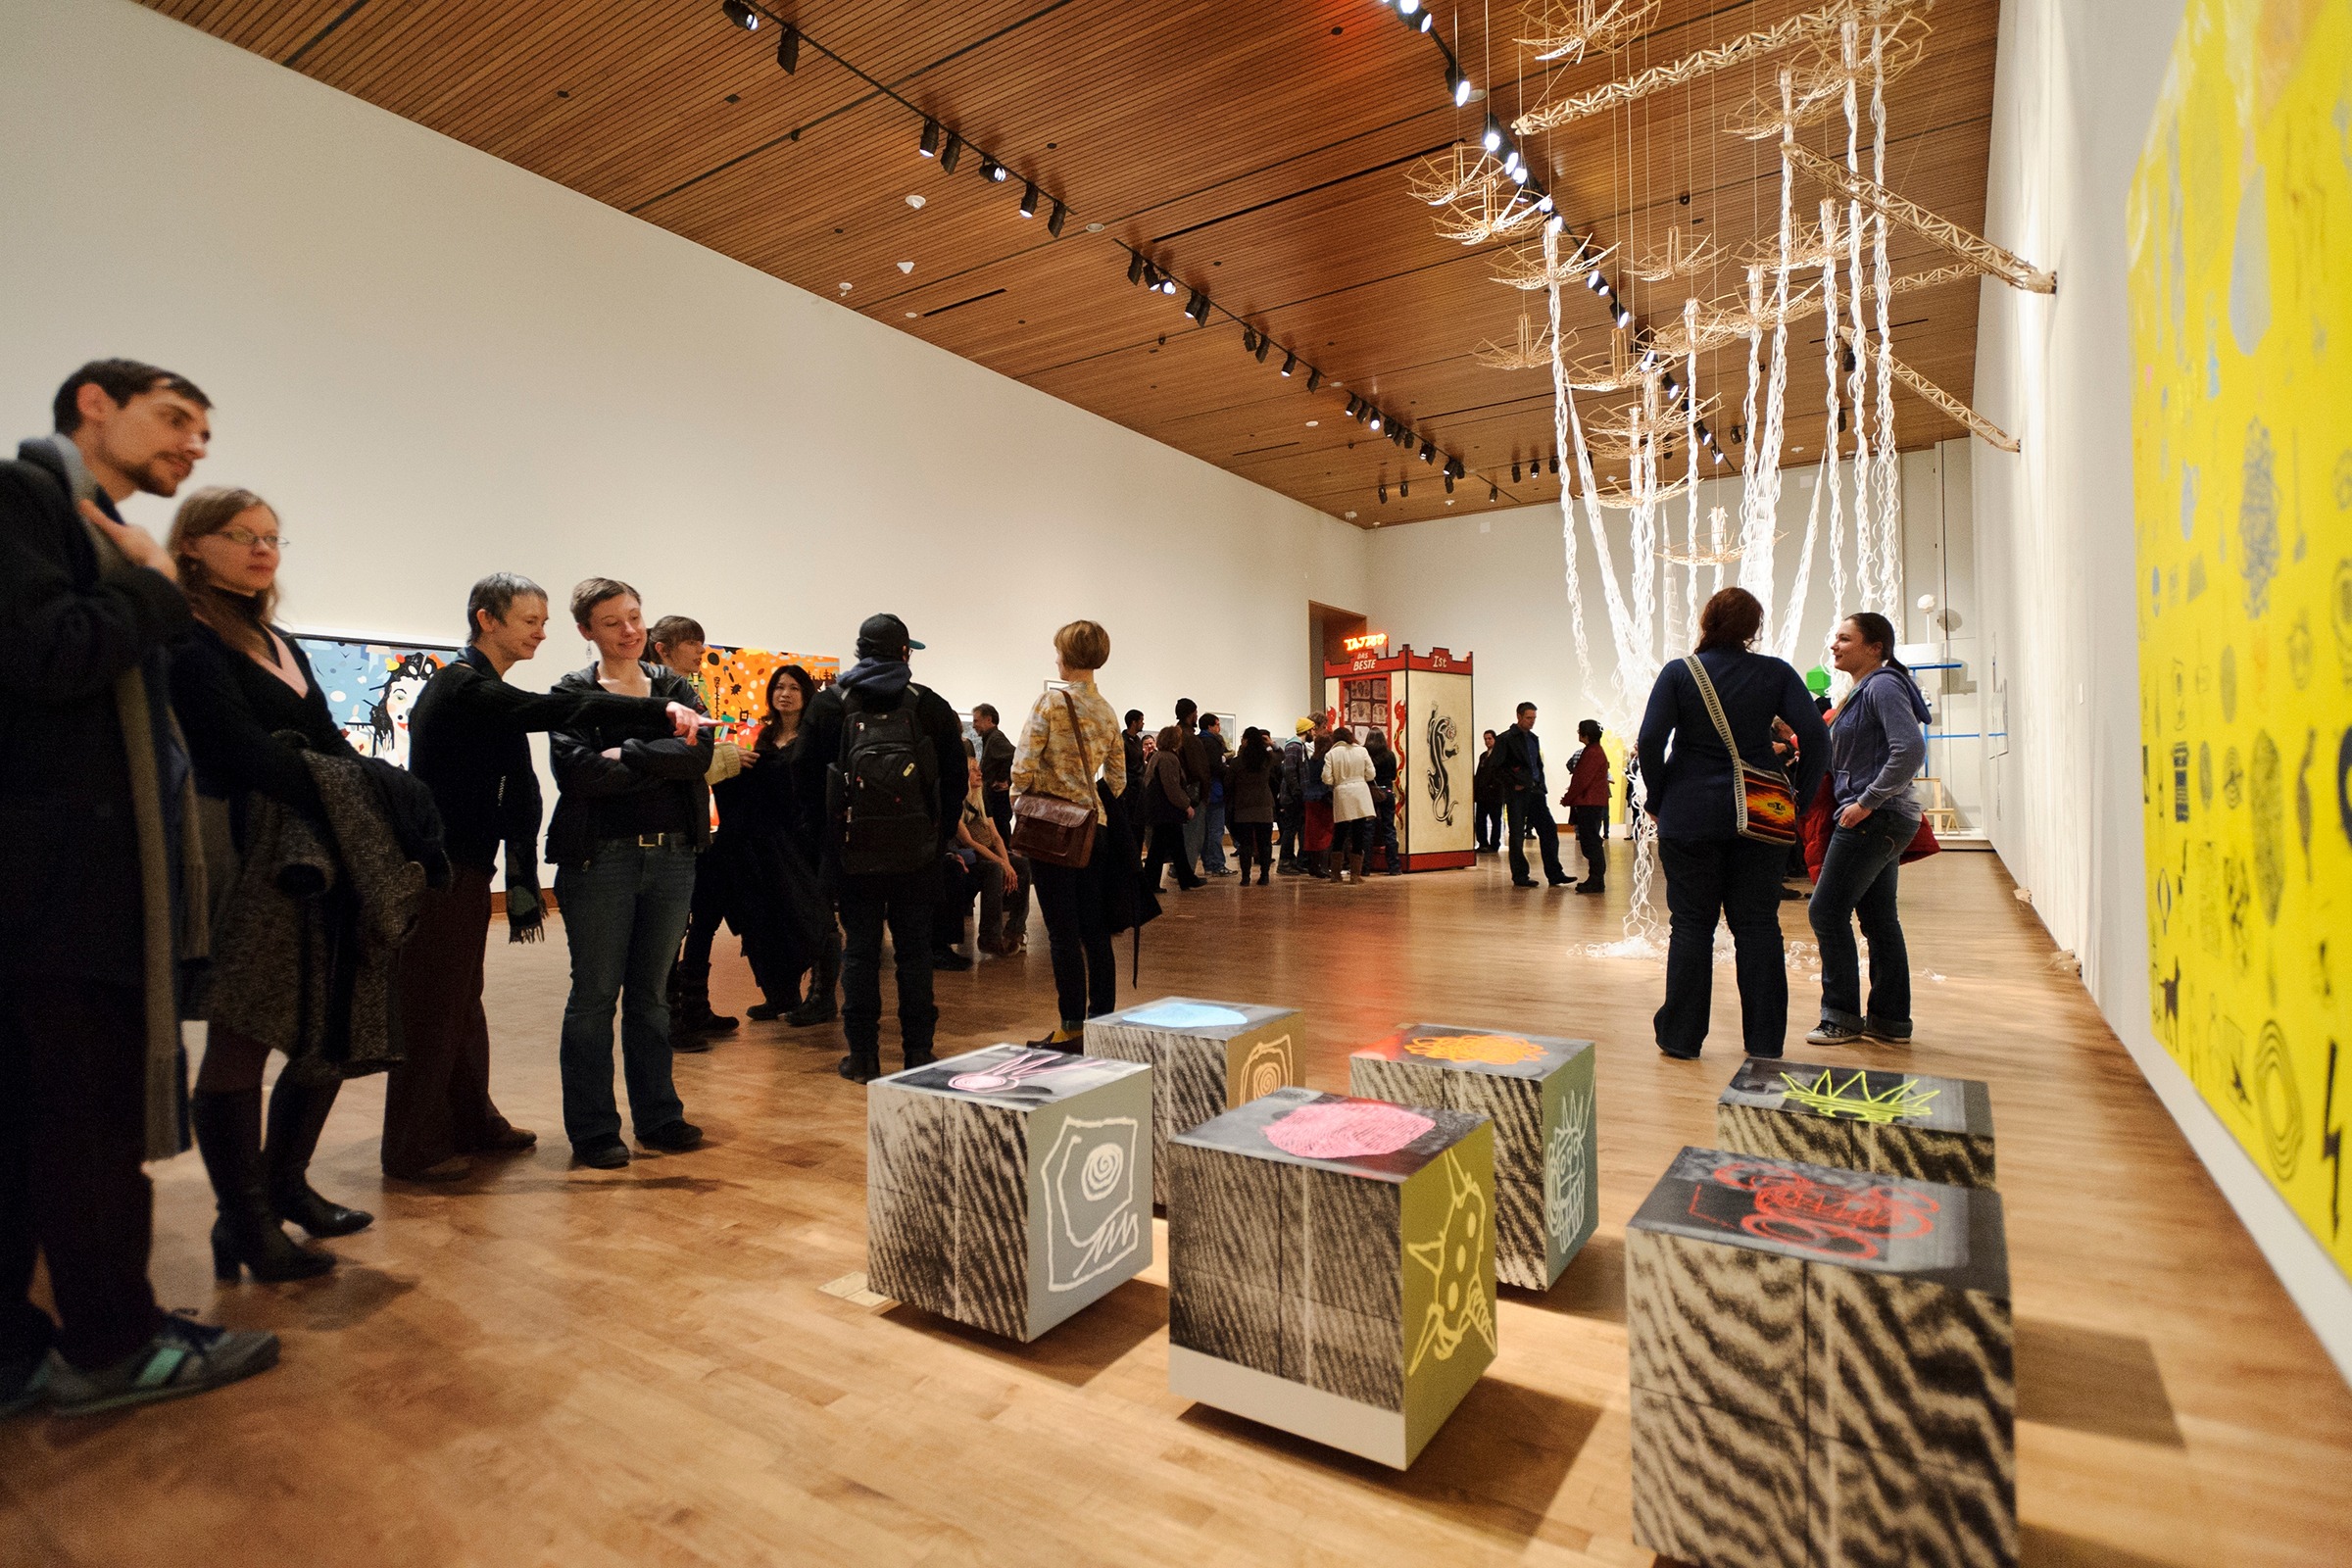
{"points": [[370, 688], [2242, 419], [734, 680]]}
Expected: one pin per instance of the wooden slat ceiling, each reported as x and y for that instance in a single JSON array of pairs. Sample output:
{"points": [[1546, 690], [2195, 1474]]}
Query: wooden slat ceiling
{"points": [[1258, 154]]}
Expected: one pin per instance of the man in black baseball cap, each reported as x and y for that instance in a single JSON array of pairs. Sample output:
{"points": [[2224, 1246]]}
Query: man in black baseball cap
{"points": [[882, 775], [885, 637]]}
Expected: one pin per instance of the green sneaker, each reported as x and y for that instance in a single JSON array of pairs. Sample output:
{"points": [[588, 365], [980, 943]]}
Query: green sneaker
{"points": [[184, 1358]]}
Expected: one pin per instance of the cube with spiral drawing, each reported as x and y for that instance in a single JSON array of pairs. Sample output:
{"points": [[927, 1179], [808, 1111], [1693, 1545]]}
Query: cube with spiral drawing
{"points": [[1008, 1188], [1331, 1266], [1860, 1118], [1206, 1057], [1821, 1363], [1538, 1092]]}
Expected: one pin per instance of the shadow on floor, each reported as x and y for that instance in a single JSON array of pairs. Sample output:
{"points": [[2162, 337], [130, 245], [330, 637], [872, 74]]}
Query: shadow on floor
{"points": [[1076, 1351], [1592, 1285], [2088, 1381], [1499, 1461], [2039, 1546]]}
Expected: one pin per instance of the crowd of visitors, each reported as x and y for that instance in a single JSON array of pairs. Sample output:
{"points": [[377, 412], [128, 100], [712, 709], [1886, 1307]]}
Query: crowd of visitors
{"points": [[189, 835]]}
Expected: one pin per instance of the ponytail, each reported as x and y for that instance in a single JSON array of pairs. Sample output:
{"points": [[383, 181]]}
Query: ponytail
{"points": [[1879, 631]]}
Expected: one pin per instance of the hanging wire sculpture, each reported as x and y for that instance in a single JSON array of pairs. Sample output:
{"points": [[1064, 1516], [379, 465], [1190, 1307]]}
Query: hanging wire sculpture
{"points": [[1476, 200], [1678, 260], [1822, 73], [1986, 257], [1532, 351], [1528, 269], [1570, 30]]}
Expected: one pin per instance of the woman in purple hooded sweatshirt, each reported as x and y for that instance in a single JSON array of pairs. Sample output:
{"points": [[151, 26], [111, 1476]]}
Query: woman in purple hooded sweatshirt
{"points": [[1877, 746]]}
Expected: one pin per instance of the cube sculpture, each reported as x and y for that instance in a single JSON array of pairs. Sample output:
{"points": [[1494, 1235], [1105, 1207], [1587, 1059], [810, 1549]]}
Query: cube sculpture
{"points": [[1331, 1267], [1207, 1059], [1538, 1093], [1008, 1188], [1821, 1368], [1859, 1119]]}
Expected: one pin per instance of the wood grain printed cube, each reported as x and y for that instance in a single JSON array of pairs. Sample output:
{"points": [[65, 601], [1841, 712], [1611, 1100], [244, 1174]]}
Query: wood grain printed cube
{"points": [[1538, 1092], [1207, 1057], [1899, 1123], [1331, 1267], [1008, 1188], [1823, 1345]]}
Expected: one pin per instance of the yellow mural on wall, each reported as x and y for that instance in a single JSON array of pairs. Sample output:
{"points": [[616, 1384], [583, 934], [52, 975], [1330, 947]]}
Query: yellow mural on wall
{"points": [[2240, 230]]}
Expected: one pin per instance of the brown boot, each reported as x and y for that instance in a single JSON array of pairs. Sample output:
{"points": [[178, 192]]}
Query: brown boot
{"points": [[1356, 869]]}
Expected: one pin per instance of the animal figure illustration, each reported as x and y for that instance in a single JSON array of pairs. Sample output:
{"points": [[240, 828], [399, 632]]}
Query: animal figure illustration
{"points": [[1443, 747]]}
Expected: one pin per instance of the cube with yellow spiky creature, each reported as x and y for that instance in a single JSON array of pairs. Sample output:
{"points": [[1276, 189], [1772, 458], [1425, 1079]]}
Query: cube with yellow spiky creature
{"points": [[1331, 1266]]}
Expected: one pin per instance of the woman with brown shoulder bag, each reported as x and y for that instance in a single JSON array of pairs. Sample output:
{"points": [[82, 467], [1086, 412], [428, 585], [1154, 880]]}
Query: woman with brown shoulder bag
{"points": [[1057, 822]]}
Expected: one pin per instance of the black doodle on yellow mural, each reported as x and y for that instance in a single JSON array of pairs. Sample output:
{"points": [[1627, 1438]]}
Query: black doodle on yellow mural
{"points": [[2265, 791], [2279, 1103]]}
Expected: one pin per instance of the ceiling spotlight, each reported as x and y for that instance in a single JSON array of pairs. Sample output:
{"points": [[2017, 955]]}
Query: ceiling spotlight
{"points": [[1404, 489], [741, 15], [1520, 174], [1314, 380], [1249, 339], [1429, 452], [1456, 467], [1546, 204], [1514, 471], [1384, 492], [1265, 343], [1649, 357], [1493, 141], [991, 170], [1135, 267], [1198, 308], [1555, 463], [1375, 421], [1352, 408], [1717, 457], [929, 146], [1429, 20], [1405, 8], [1449, 483], [947, 160], [1625, 318], [1029, 200], [1061, 216], [1597, 283], [1510, 159], [1459, 85], [1289, 361], [1167, 285], [1494, 492], [788, 50]]}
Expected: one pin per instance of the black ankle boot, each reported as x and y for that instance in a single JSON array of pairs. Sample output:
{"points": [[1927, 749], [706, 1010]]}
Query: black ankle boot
{"points": [[862, 1066], [298, 1113], [228, 1132]]}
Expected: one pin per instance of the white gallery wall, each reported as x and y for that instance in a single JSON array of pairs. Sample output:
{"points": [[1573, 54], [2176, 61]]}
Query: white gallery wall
{"points": [[436, 364], [2073, 89]]}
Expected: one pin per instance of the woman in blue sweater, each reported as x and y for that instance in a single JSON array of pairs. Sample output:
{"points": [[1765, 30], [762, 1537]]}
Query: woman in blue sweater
{"points": [[1698, 806], [1877, 748]]}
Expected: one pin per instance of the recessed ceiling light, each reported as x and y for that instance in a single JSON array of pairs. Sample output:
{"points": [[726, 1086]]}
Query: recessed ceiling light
{"points": [[912, 314], [1311, 423], [906, 266], [1094, 229], [916, 202], [1351, 517], [845, 288]]}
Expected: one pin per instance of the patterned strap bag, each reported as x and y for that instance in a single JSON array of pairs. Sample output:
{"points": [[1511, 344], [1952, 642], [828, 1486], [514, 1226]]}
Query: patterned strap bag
{"points": [[1763, 800], [1052, 830]]}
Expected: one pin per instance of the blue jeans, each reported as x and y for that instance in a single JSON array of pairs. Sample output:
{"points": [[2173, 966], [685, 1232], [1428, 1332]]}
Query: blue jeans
{"points": [[1858, 877], [625, 910], [1212, 837]]}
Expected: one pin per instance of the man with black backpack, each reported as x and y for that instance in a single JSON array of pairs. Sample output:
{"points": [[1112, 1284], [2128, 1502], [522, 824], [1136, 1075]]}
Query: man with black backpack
{"points": [[884, 767]]}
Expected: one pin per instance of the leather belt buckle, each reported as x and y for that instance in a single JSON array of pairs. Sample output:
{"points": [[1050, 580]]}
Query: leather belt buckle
{"points": [[652, 841]]}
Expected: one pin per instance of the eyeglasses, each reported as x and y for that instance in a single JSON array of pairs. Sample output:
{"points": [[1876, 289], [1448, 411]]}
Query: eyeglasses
{"points": [[246, 539]]}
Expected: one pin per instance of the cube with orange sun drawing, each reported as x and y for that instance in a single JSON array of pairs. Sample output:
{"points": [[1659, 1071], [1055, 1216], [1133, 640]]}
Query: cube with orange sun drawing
{"points": [[1539, 1092], [1331, 1267]]}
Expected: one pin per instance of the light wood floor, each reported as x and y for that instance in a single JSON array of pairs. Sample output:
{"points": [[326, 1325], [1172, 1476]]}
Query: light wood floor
{"points": [[550, 1367]]}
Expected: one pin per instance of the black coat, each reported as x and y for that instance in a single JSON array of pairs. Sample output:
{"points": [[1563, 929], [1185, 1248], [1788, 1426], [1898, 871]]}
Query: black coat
{"points": [[656, 787], [819, 749], [69, 844], [1690, 788]]}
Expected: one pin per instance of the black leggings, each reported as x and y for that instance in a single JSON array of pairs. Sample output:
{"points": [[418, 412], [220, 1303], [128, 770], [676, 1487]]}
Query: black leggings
{"points": [[1167, 847], [1085, 972], [1252, 841]]}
